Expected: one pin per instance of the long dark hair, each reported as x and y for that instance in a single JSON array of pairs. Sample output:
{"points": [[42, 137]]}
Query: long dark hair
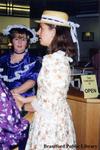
{"points": [[62, 41]]}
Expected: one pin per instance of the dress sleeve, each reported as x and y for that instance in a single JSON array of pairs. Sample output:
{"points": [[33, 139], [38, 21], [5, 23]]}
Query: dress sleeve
{"points": [[34, 69], [3, 61], [3, 65]]}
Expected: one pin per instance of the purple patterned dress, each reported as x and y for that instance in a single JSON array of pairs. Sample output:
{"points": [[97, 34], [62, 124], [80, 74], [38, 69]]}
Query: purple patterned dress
{"points": [[12, 125]]}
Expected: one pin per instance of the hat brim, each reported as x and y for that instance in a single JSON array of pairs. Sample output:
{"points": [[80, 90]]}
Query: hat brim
{"points": [[22, 29], [52, 23]]}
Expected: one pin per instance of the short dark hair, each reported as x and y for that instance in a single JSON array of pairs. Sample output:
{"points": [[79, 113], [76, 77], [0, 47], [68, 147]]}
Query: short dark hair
{"points": [[13, 33]]}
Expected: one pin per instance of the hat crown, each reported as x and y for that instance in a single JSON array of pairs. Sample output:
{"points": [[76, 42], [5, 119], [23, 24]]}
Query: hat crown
{"points": [[56, 14], [54, 17]]}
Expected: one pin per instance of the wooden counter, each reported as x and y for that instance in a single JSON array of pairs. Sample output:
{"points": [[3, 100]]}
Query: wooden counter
{"points": [[86, 117]]}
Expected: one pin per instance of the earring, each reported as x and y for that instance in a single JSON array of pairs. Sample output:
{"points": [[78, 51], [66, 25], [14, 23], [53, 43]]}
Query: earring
{"points": [[9, 44]]}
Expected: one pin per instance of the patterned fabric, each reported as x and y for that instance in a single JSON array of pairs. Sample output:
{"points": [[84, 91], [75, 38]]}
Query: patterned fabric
{"points": [[14, 75], [52, 127], [12, 125]]}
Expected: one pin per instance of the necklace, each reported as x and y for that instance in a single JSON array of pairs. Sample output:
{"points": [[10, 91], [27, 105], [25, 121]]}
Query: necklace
{"points": [[14, 59], [19, 52]]}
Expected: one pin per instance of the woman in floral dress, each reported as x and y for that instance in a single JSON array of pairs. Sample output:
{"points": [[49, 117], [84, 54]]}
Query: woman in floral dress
{"points": [[52, 126]]}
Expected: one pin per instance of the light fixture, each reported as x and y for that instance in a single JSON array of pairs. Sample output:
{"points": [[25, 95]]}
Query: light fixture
{"points": [[10, 7]]}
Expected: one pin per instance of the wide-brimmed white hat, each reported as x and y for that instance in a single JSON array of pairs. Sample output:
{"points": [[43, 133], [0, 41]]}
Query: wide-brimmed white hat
{"points": [[54, 17], [31, 32]]}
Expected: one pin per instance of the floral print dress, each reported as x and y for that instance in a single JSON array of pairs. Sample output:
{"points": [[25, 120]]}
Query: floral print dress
{"points": [[52, 127], [12, 125]]}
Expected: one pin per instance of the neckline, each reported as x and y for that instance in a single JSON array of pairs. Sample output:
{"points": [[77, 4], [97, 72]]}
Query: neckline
{"points": [[18, 63], [20, 52]]}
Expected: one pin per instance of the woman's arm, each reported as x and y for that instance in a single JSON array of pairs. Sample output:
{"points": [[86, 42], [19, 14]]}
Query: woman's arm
{"points": [[24, 87], [22, 99]]}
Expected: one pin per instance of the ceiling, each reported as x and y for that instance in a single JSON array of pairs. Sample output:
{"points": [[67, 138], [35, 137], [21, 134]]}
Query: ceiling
{"points": [[18, 2], [72, 7]]}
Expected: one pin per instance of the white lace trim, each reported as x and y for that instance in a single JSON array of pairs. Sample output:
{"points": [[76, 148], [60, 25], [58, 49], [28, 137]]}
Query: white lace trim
{"points": [[34, 39], [59, 53], [17, 73], [70, 59]]}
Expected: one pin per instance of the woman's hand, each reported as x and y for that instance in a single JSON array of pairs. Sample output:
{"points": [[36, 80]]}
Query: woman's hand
{"points": [[26, 101], [19, 105], [28, 107], [19, 98], [15, 91]]}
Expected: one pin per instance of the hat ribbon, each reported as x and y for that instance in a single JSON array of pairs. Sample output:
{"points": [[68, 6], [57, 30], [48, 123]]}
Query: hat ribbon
{"points": [[73, 31], [55, 19]]}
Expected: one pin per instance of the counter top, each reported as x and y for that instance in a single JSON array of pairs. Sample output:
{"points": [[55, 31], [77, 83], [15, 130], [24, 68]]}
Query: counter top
{"points": [[77, 95]]}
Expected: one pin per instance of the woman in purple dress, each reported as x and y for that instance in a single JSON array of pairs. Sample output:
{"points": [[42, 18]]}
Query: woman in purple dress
{"points": [[12, 126], [19, 71]]}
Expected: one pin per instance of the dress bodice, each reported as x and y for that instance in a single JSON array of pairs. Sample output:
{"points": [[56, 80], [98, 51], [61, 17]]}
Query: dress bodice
{"points": [[14, 75], [54, 77]]}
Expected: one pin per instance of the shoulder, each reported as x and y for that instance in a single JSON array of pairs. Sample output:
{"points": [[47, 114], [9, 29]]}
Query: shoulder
{"points": [[4, 57], [33, 57], [58, 56]]}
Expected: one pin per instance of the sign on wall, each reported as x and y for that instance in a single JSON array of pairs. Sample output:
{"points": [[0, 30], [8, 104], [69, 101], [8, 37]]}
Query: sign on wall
{"points": [[89, 86]]}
